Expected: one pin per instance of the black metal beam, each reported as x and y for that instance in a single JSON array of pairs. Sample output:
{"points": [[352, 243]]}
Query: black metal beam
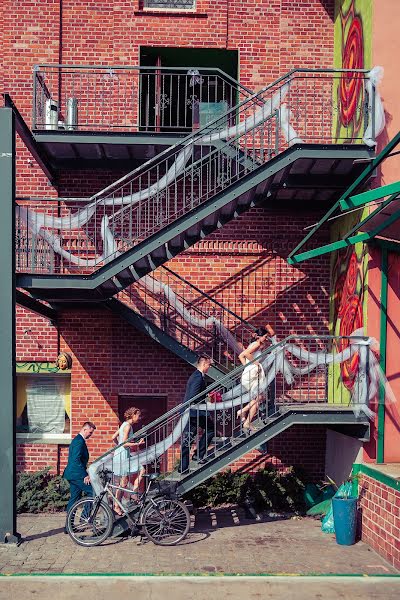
{"points": [[8, 512], [35, 306], [305, 182], [29, 141], [110, 137], [296, 416], [58, 287]]}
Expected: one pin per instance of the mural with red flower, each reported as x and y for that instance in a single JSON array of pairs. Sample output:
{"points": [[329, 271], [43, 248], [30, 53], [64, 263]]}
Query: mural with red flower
{"points": [[348, 299], [353, 20]]}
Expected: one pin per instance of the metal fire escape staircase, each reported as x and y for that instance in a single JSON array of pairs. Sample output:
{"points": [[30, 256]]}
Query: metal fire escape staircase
{"points": [[250, 156], [307, 399], [184, 319]]}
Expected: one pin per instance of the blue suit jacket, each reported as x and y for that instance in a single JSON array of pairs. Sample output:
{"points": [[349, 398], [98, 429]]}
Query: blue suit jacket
{"points": [[78, 457], [194, 386]]}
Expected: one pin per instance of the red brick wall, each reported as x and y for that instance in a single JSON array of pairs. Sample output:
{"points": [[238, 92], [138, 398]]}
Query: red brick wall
{"points": [[37, 338], [243, 265], [271, 36], [290, 449], [111, 358], [380, 518]]}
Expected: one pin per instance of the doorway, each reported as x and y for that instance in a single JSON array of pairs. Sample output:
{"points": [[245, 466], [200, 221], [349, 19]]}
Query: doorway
{"points": [[182, 90]]}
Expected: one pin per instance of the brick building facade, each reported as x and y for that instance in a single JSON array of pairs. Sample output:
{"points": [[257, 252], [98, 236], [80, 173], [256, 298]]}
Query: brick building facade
{"points": [[243, 265]]}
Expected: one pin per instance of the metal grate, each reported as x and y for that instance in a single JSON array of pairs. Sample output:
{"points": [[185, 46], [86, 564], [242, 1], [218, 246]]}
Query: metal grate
{"points": [[170, 4]]}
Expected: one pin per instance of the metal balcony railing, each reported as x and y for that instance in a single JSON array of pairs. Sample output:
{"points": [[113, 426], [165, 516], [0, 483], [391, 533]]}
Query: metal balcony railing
{"points": [[301, 107], [131, 99], [190, 316], [298, 372]]}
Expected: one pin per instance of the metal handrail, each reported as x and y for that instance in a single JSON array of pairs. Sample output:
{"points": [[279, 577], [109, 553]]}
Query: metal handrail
{"points": [[229, 380], [163, 312], [210, 298], [131, 106], [254, 144], [37, 68], [191, 137]]}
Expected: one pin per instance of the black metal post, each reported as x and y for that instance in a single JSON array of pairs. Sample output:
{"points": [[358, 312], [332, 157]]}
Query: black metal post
{"points": [[8, 513]]}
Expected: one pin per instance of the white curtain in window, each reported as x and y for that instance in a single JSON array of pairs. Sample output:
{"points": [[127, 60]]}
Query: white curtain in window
{"points": [[46, 405]]}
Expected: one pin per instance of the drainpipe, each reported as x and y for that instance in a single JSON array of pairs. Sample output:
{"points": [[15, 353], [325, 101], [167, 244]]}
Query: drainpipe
{"points": [[380, 454]]}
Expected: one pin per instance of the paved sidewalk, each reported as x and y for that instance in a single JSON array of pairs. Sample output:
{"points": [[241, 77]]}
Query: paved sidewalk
{"points": [[198, 588], [220, 541]]}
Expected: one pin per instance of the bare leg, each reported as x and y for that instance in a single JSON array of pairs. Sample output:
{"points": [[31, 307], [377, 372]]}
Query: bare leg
{"points": [[253, 409], [119, 494], [137, 483], [243, 412]]}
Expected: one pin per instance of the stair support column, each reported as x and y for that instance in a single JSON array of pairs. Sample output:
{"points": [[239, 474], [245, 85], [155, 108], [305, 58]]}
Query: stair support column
{"points": [[8, 512]]}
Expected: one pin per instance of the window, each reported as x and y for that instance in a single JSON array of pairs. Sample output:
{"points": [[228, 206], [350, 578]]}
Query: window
{"points": [[43, 405], [170, 4]]}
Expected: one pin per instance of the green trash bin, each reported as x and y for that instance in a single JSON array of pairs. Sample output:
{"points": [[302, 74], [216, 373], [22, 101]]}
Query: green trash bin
{"points": [[345, 520]]}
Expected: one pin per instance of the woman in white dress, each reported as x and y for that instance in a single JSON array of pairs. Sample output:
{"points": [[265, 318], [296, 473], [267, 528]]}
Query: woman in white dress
{"points": [[253, 378], [122, 454]]}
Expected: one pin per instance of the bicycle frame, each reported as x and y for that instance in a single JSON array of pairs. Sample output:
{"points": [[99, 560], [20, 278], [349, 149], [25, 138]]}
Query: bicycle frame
{"points": [[141, 503]]}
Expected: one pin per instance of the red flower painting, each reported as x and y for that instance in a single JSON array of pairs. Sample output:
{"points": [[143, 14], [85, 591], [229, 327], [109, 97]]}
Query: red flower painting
{"points": [[350, 85]]}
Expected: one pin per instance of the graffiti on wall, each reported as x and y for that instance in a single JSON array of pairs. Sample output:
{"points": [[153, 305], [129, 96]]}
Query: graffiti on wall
{"points": [[353, 32], [348, 302]]}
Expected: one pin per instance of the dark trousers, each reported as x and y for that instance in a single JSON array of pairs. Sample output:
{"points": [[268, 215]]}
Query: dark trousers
{"points": [[197, 419], [77, 487]]}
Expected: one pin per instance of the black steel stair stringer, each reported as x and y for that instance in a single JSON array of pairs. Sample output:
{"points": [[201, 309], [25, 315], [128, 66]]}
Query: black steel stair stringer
{"points": [[76, 284], [272, 428]]}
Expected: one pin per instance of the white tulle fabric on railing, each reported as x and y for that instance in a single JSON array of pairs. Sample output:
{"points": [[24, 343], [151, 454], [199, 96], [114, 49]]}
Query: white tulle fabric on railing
{"points": [[368, 378], [35, 221], [191, 318], [136, 461], [376, 112]]}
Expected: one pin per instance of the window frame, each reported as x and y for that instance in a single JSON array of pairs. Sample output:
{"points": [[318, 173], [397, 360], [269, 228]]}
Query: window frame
{"points": [[43, 368], [171, 9]]}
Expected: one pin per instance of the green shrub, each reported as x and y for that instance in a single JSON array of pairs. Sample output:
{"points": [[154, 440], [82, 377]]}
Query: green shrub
{"points": [[267, 489], [41, 492]]}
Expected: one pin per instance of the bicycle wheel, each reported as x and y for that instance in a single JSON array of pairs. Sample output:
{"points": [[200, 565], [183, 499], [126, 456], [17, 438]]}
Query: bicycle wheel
{"points": [[86, 529], [165, 522]]}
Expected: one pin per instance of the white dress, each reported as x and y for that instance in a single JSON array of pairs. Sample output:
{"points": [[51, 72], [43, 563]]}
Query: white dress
{"points": [[122, 454], [253, 377]]}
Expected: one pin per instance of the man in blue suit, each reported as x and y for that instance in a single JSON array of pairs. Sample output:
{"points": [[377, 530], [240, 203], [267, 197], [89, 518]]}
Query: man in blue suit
{"points": [[198, 418], [75, 472]]}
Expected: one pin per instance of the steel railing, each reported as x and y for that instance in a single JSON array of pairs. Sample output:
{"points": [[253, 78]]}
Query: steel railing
{"points": [[131, 98], [321, 388], [205, 163], [190, 316]]}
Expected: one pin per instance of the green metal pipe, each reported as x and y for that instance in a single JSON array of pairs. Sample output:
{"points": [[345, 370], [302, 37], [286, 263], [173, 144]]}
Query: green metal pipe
{"points": [[380, 453], [294, 257], [370, 196]]}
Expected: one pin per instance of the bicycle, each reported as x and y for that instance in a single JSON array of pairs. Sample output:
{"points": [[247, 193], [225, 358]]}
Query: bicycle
{"points": [[163, 519]]}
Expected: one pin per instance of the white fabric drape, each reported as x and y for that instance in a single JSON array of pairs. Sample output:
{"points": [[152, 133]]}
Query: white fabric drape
{"points": [[275, 362], [376, 120]]}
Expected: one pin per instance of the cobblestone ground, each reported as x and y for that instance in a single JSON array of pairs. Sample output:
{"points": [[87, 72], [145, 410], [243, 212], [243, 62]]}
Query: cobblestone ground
{"points": [[220, 541]]}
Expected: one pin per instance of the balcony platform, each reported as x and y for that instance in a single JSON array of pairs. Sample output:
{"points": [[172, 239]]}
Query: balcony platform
{"points": [[81, 150]]}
